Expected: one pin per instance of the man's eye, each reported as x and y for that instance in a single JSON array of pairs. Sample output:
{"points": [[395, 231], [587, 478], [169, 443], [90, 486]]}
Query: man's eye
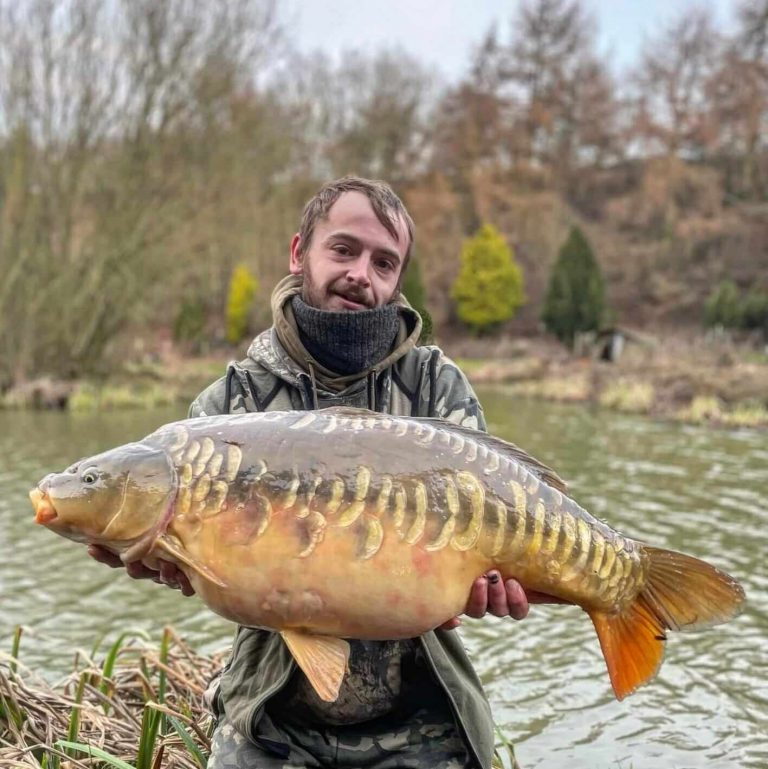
{"points": [[343, 250], [386, 266]]}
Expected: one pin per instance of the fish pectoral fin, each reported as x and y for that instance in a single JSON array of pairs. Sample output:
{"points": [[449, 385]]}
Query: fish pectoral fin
{"points": [[174, 548], [323, 659]]}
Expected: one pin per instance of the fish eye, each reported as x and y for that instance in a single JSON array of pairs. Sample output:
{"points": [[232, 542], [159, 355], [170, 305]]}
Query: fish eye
{"points": [[89, 476]]}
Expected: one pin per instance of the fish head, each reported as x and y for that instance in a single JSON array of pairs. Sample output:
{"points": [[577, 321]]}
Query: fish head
{"points": [[111, 498]]}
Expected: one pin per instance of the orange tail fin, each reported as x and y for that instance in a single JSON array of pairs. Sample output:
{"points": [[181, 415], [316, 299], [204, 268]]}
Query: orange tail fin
{"points": [[682, 593]]}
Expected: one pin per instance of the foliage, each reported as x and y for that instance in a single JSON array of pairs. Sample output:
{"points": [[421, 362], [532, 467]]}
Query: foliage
{"points": [[727, 307], [413, 289], [489, 288], [723, 307], [575, 298], [242, 289], [755, 310], [189, 324]]}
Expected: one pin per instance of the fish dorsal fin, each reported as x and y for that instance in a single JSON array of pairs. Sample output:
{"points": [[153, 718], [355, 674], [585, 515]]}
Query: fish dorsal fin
{"points": [[507, 449], [323, 660], [174, 548], [500, 446]]}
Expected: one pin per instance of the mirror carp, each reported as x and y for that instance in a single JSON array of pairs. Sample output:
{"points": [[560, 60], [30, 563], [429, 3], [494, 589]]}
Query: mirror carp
{"points": [[345, 523]]}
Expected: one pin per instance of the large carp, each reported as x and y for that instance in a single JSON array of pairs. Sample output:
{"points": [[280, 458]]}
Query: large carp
{"points": [[345, 523]]}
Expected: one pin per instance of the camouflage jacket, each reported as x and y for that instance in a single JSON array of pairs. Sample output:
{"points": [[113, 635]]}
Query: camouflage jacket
{"points": [[279, 374]]}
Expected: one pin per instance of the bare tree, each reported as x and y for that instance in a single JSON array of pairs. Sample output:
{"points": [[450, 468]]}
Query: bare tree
{"points": [[672, 109]]}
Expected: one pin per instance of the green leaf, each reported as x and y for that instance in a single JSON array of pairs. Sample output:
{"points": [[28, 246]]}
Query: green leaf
{"points": [[95, 752], [192, 747]]}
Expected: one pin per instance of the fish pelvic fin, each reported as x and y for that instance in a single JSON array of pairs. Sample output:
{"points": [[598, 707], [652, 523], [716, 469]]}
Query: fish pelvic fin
{"points": [[323, 660], [181, 555], [681, 593]]}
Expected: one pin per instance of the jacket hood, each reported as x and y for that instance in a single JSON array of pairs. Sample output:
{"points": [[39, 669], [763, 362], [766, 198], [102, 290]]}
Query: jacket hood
{"points": [[281, 351]]}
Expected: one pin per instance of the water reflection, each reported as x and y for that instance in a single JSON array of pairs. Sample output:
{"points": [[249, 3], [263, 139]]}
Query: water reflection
{"points": [[700, 491]]}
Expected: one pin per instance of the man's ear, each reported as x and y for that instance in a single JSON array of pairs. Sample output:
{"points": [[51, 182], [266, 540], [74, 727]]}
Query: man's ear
{"points": [[296, 266]]}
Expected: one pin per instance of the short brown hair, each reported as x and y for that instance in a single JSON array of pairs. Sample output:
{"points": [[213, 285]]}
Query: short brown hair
{"points": [[385, 203]]}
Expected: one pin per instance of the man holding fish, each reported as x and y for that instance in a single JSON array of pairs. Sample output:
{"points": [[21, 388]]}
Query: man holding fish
{"points": [[344, 336]]}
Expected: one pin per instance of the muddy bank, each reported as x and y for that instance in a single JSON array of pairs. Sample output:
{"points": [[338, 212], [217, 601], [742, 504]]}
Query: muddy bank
{"points": [[701, 381]]}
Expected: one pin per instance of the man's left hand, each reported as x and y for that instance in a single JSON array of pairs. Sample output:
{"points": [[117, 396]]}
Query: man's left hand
{"points": [[502, 599]]}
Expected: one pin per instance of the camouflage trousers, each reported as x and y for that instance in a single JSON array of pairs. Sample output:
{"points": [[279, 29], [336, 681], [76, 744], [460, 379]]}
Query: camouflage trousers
{"points": [[423, 741]]}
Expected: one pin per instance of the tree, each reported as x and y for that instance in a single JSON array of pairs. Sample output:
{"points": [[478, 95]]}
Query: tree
{"points": [[242, 289], [723, 306], [575, 299], [673, 77], [489, 288], [413, 289]]}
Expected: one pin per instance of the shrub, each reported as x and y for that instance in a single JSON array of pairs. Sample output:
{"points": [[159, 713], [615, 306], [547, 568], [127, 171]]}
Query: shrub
{"points": [[242, 289], [575, 298], [189, 324], [489, 288], [723, 306], [754, 312], [413, 289]]}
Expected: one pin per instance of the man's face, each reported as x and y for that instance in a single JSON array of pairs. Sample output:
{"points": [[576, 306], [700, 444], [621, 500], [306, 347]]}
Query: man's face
{"points": [[352, 262]]}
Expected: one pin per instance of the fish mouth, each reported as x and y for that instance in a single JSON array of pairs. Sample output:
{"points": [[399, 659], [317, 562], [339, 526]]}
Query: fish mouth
{"points": [[45, 512]]}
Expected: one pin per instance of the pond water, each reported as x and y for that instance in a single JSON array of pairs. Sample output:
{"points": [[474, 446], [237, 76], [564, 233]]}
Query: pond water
{"points": [[701, 491]]}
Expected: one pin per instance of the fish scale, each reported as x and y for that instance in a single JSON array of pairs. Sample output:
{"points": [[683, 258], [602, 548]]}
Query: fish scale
{"points": [[344, 523]]}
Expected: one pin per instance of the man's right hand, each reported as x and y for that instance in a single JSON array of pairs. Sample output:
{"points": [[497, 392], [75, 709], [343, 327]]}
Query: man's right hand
{"points": [[169, 573]]}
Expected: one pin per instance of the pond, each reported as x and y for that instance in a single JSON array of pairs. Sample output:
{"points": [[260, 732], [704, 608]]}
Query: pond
{"points": [[701, 491]]}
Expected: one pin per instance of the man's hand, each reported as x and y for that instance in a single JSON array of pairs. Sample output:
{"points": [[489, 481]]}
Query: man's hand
{"points": [[168, 575], [502, 599]]}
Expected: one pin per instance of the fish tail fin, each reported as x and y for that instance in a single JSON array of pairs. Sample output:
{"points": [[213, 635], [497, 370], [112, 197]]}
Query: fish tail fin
{"points": [[681, 593]]}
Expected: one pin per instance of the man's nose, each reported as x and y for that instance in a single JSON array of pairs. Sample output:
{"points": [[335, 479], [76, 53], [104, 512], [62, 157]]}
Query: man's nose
{"points": [[358, 270]]}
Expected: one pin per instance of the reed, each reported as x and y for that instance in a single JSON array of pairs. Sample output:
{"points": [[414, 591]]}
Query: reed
{"points": [[141, 707]]}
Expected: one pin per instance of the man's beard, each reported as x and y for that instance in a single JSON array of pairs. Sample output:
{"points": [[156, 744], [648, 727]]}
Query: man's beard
{"points": [[319, 297]]}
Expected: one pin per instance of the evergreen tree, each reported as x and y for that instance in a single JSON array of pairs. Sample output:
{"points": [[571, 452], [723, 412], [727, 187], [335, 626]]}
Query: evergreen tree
{"points": [[489, 288], [413, 290], [723, 306], [575, 299]]}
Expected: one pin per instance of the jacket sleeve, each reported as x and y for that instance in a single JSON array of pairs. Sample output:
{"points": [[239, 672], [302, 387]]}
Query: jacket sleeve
{"points": [[210, 401], [455, 400]]}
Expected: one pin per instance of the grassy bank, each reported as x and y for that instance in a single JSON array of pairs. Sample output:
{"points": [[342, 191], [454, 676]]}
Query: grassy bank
{"points": [[702, 380], [133, 705], [696, 381]]}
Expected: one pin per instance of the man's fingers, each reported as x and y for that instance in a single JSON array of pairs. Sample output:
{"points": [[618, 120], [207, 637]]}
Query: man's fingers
{"points": [[477, 605], [175, 578], [516, 598], [497, 595], [451, 624], [102, 555], [138, 570]]}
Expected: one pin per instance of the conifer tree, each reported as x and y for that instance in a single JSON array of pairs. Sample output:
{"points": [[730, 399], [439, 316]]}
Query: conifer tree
{"points": [[489, 288], [575, 299], [413, 290]]}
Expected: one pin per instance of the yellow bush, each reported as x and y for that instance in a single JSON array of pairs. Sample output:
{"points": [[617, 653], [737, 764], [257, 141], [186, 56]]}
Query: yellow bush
{"points": [[489, 288], [242, 289]]}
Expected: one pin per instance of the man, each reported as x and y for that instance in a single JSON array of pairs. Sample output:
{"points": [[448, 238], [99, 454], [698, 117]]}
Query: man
{"points": [[343, 335]]}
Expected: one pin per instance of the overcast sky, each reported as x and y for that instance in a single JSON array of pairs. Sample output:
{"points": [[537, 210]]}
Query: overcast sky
{"points": [[443, 32]]}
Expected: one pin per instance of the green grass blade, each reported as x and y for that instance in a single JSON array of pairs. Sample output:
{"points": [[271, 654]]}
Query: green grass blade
{"points": [[165, 646], [186, 737], [15, 648], [108, 668], [150, 725], [95, 752], [74, 717]]}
